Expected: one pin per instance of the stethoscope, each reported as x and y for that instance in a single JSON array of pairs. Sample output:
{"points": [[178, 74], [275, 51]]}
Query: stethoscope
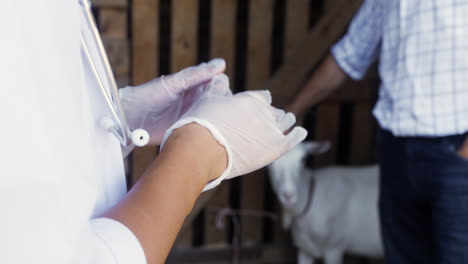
{"points": [[116, 123]]}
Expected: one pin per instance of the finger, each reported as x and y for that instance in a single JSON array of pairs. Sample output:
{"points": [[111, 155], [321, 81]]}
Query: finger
{"points": [[286, 122], [219, 85], [194, 75], [296, 136], [279, 113], [262, 95]]}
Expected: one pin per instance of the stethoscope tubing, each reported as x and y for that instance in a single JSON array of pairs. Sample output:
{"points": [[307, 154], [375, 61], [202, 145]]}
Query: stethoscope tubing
{"points": [[118, 125]]}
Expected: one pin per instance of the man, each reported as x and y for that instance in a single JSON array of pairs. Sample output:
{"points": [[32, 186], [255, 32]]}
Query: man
{"points": [[422, 109]]}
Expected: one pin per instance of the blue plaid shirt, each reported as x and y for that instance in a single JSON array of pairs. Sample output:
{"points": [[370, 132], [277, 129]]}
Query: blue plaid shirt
{"points": [[423, 50]]}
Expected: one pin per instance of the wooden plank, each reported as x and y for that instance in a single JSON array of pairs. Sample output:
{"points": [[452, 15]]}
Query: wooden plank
{"points": [[376, 261], [297, 12], [141, 159], [223, 32], [330, 5], [185, 236], [213, 235], [113, 28], [184, 21], [258, 71], [256, 254], [119, 58], [113, 22], [200, 204], [110, 3], [327, 125], [259, 43], [252, 198], [353, 259], [277, 255], [184, 239], [309, 52], [145, 31], [362, 134], [280, 235]]}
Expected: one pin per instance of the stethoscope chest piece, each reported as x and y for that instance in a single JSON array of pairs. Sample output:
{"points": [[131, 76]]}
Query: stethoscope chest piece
{"points": [[140, 137]]}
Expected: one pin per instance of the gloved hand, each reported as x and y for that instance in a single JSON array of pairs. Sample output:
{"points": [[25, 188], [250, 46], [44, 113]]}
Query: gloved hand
{"points": [[250, 129], [156, 105]]}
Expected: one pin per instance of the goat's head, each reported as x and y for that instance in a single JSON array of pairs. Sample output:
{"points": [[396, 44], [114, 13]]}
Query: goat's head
{"points": [[286, 173]]}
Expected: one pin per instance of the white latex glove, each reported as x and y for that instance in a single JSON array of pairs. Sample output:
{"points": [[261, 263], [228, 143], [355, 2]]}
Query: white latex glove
{"points": [[156, 105], [250, 129]]}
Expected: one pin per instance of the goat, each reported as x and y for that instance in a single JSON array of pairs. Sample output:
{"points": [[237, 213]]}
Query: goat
{"points": [[331, 210]]}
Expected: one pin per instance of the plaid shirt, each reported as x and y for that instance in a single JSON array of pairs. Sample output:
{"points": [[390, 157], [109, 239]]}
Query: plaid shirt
{"points": [[423, 51]]}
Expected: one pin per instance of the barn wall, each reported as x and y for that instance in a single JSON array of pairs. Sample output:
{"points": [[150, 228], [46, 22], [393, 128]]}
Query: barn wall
{"points": [[270, 44]]}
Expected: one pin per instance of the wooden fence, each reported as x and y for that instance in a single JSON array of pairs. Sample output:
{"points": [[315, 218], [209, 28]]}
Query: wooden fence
{"points": [[268, 44]]}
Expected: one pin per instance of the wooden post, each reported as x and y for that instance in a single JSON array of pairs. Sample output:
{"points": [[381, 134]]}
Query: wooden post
{"points": [[113, 23], [110, 3], [330, 5], [259, 43], [217, 237], [362, 134], [223, 32], [296, 24], [310, 51], [113, 27], [145, 30], [184, 24], [280, 235], [258, 71], [327, 125], [222, 44], [185, 237]]}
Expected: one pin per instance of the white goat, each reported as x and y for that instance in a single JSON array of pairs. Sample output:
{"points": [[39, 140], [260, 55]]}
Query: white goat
{"points": [[330, 211]]}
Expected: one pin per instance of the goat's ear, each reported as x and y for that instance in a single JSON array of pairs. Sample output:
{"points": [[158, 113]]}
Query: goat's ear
{"points": [[316, 147]]}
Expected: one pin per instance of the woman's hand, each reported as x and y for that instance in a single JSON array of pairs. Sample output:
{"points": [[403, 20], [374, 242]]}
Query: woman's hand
{"points": [[156, 105], [158, 203], [250, 129], [220, 134]]}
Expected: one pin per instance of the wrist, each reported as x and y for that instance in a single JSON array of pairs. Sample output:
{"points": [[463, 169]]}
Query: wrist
{"points": [[197, 148]]}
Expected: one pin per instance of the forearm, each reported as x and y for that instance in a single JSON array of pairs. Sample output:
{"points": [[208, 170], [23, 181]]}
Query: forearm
{"points": [[328, 77], [463, 151], [158, 204]]}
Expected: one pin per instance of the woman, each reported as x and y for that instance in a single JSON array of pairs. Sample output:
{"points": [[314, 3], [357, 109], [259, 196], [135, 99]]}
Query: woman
{"points": [[63, 191]]}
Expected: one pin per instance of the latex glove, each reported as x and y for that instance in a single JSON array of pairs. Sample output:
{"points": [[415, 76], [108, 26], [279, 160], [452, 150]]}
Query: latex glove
{"points": [[156, 105], [250, 129]]}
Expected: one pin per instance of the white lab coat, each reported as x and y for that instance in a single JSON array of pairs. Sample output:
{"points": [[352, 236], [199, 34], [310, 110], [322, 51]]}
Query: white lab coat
{"points": [[59, 169]]}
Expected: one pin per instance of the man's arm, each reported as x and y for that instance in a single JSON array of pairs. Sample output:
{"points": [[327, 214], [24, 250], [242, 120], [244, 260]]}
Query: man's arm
{"points": [[157, 205], [463, 151], [325, 80], [351, 56]]}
